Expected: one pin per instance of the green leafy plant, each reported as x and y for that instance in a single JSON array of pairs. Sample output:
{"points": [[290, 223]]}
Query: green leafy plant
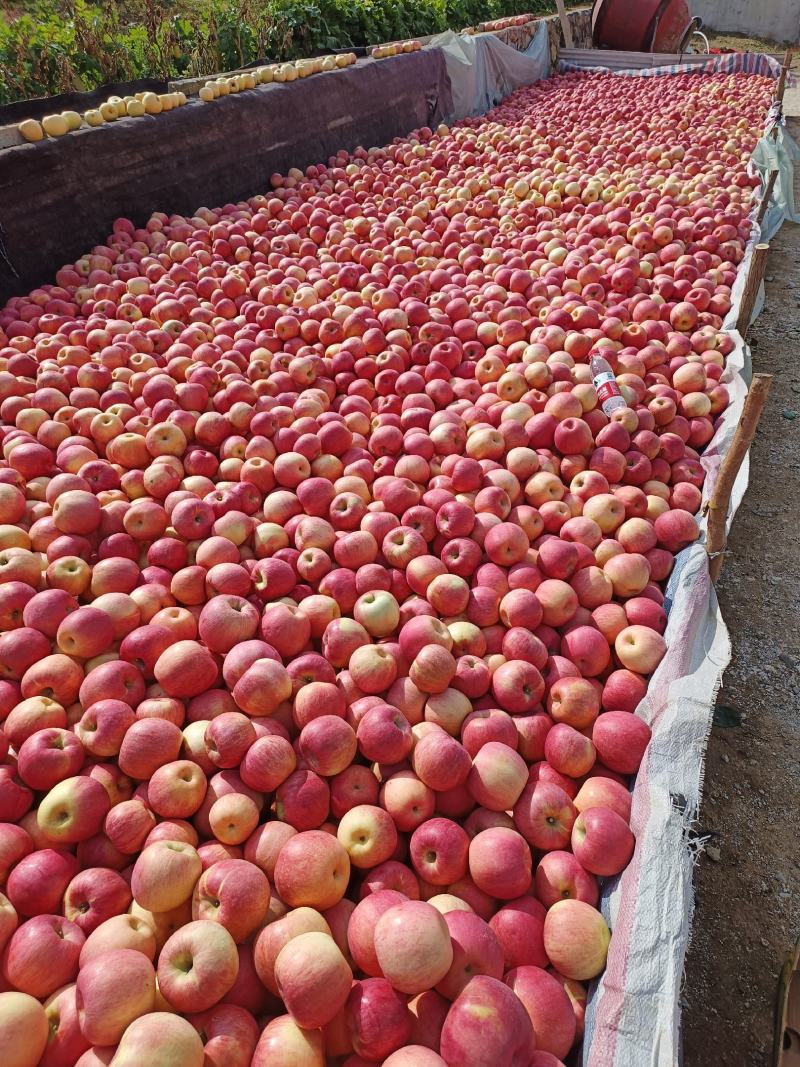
{"points": [[55, 46]]}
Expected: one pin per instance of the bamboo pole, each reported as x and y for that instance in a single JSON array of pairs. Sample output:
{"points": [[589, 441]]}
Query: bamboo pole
{"points": [[765, 199], [753, 280], [566, 29], [721, 497]]}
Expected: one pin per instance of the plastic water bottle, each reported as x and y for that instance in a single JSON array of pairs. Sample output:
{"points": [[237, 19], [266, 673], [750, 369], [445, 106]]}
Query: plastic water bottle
{"points": [[605, 383]]}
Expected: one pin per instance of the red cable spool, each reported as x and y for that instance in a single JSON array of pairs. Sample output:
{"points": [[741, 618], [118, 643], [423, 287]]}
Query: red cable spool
{"points": [[642, 25]]}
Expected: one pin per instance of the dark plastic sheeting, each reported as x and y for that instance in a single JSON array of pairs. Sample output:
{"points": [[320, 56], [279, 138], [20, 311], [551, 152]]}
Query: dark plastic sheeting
{"points": [[58, 198]]}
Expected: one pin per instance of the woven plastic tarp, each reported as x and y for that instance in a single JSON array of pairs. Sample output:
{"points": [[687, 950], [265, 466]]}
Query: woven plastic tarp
{"points": [[633, 1017], [483, 69]]}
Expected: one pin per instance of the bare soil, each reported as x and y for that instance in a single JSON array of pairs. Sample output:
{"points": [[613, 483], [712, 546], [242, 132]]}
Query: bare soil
{"points": [[748, 881]]}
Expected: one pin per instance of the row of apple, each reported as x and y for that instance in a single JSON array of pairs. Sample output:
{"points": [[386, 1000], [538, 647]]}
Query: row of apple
{"points": [[334, 531]]}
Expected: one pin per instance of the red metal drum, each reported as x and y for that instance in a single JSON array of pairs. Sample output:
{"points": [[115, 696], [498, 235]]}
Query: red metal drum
{"points": [[641, 25]]}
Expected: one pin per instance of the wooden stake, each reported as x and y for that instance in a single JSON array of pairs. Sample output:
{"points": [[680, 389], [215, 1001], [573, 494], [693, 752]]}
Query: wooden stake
{"points": [[753, 280], [721, 497], [765, 199], [781, 88], [566, 29]]}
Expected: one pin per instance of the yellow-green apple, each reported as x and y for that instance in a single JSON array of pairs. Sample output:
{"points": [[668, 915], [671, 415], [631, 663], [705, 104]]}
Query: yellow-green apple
{"points": [[548, 1006], [197, 966], [368, 835], [544, 815], [576, 939], [234, 893], [282, 1042], [447, 902], [164, 875], [160, 1037], [313, 979], [378, 612], [94, 895], [73, 810], [500, 862], [23, 1030], [361, 928], [377, 1019], [439, 849], [476, 950], [113, 989], [602, 841], [519, 927], [8, 920], [621, 740], [414, 1056], [120, 931], [312, 870], [42, 955], [486, 1025], [412, 946], [640, 649]]}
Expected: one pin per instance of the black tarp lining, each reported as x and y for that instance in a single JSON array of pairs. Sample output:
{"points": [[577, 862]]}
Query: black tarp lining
{"points": [[60, 197]]}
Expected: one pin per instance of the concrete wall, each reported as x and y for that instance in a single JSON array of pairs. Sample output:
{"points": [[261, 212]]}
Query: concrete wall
{"points": [[775, 20]]}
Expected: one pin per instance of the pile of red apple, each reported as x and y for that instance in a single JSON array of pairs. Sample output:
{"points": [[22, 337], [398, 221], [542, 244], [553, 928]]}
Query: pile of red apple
{"points": [[328, 592]]}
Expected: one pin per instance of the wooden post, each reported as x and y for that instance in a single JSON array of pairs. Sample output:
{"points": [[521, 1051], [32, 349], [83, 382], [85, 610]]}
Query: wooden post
{"points": [[765, 199], [753, 280], [721, 497], [566, 29], [781, 87]]}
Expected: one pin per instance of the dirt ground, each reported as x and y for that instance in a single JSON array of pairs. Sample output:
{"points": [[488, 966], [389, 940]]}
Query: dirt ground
{"points": [[748, 881]]}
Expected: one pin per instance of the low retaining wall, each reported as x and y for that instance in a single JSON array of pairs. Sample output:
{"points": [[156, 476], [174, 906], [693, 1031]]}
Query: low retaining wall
{"points": [[773, 20], [59, 197]]}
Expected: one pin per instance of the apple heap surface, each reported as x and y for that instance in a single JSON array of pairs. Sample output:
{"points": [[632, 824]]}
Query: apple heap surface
{"points": [[328, 591]]}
